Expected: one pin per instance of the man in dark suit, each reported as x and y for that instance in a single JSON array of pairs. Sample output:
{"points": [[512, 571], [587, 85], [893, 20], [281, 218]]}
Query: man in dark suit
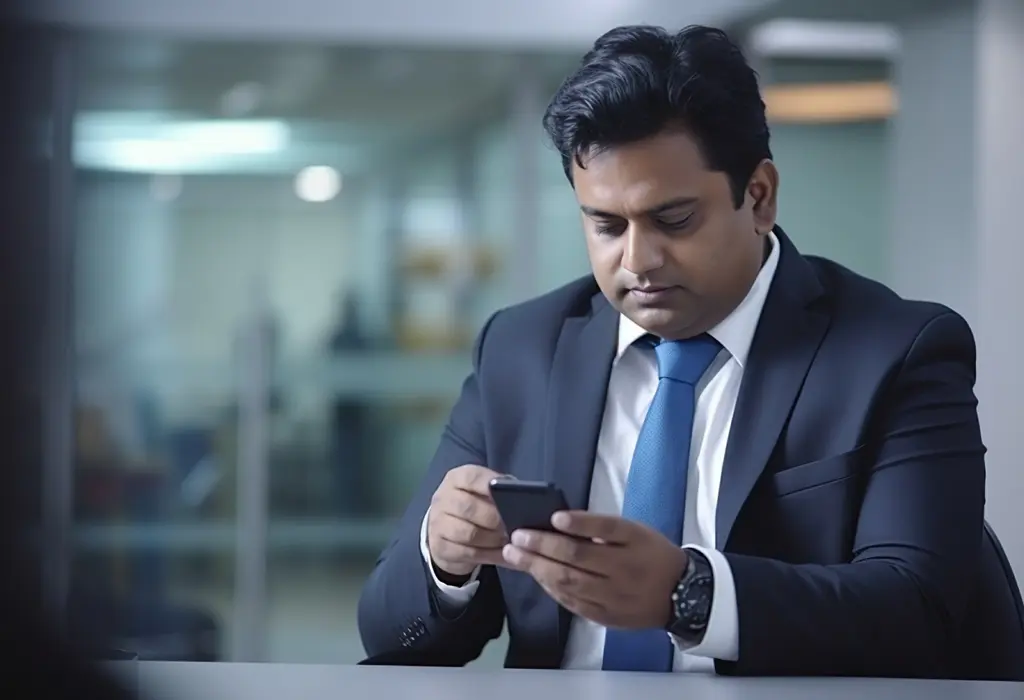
{"points": [[773, 465]]}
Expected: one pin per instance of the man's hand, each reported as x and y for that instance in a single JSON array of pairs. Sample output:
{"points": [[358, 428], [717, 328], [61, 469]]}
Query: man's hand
{"points": [[464, 529], [613, 571]]}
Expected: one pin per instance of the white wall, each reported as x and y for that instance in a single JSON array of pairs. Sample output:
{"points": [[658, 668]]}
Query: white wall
{"points": [[932, 156], [956, 226], [998, 260], [833, 192]]}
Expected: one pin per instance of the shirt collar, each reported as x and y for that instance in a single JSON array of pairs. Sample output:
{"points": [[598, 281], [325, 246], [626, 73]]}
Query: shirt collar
{"points": [[736, 331]]}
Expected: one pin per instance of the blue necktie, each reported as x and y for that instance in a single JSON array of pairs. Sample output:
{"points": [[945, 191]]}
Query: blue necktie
{"points": [[656, 487]]}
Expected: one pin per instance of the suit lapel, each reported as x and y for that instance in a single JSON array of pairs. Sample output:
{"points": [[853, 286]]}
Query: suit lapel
{"points": [[576, 396], [575, 406], [786, 340]]}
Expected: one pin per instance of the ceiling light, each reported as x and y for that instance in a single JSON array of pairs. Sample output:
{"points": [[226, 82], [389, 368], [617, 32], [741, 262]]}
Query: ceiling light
{"points": [[317, 183], [228, 136], [798, 38], [829, 102], [144, 143]]}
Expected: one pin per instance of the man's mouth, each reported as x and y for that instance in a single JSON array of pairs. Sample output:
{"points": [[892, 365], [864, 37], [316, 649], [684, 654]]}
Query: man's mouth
{"points": [[650, 293]]}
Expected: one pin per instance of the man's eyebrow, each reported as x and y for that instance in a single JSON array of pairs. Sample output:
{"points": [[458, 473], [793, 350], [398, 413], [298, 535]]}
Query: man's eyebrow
{"points": [[672, 204], [658, 209]]}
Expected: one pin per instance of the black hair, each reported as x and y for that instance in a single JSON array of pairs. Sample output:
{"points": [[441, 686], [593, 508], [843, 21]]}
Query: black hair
{"points": [[637, 81]]}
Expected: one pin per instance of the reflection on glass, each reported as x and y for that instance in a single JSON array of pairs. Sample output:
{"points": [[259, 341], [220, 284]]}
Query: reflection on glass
{"points": [[359, 200]]}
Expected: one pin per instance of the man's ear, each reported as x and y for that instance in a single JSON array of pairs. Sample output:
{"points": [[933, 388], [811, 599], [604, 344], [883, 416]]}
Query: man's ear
{"points": [[764, 192]]}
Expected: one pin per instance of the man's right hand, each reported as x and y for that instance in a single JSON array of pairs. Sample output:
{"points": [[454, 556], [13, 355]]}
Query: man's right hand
{"points": [[464, 529]]}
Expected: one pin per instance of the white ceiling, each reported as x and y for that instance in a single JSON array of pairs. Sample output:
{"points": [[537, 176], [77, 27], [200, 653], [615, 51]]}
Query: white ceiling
{"points": [[350, 78], [479, 23], [380, 85], [343, 105]]}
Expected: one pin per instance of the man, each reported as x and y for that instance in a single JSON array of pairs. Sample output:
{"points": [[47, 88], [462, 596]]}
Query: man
{"points": [[773, 465]]}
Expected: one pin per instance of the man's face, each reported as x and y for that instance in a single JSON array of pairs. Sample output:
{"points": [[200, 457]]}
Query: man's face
{"points": [[667, 245]]}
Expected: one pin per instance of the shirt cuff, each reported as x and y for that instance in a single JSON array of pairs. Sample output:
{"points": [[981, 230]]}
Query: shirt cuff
{"points": [[722, 636], [452, 595]]}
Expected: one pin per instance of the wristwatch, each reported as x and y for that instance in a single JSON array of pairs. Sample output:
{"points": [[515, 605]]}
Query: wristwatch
{"points": [[691, 599]]}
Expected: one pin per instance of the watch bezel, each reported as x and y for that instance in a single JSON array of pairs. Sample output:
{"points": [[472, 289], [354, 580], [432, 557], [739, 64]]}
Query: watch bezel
{"points": [[692, 598]]}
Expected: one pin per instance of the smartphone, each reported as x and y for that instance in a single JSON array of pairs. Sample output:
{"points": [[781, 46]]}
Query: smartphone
{"points": [[526, 505]]}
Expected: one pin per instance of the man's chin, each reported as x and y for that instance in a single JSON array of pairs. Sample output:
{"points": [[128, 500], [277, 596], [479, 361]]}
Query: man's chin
{"points": [[662, 322]]}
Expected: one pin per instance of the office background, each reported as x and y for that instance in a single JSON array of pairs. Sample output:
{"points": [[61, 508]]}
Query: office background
{"points": [[284, 225]]}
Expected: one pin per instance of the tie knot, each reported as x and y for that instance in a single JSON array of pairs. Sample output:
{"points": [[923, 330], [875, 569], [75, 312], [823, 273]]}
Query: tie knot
{"points": [[686, 360]]}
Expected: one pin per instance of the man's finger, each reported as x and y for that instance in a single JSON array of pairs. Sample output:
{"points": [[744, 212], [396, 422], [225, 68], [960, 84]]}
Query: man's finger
{"points": [[575, 591], [551, 573], [493, 557], [473, 509], [609, 529], [468, 533], [474, 479], [581, 607], [456, 552], [571, 551]]}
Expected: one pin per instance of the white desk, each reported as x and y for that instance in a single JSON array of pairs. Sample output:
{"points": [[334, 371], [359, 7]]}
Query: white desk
{"points": [[224, 681]]}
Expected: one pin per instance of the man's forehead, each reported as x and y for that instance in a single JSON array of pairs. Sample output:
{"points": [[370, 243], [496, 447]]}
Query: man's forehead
{"points": [[640, 192]]}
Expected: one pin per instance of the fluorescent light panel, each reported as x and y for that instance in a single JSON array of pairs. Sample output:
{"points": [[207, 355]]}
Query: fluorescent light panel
{"points": [[830, 102], [797, 38], [152, 143]]}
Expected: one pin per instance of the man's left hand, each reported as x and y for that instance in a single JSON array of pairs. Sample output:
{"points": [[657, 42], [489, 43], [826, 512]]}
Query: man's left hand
{"points": [[613, 571]]}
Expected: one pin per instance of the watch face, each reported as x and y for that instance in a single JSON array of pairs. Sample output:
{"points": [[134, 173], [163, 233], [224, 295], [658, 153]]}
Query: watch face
{"points": [[692, 602], [698, 598]]}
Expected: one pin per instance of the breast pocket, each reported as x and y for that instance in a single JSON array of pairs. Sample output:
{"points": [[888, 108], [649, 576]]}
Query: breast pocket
{"points": [[813, 514], [818, 473]]}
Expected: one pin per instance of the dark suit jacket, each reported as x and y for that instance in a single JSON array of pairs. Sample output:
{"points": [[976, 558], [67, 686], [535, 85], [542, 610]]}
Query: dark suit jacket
{"points": [[852, 494]]}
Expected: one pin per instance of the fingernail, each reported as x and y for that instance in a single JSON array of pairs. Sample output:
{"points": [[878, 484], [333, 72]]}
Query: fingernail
{"points": [[560, 519], [510, 553], [520, 538]]}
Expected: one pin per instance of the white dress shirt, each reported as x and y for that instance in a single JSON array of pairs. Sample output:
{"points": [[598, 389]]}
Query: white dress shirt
{"points": [[631, 388]]}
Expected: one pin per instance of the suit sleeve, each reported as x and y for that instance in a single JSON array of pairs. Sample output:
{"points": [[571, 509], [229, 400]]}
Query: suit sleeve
{"points": [[453, 596], [399, 609], [895, 608]]}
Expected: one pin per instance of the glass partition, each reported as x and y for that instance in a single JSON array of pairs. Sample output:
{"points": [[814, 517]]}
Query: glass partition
{"points": [[283, 256]]}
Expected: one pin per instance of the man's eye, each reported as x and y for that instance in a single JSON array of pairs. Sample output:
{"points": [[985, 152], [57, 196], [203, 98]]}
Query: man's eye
{"points": [[677, 223], [608, 229]]}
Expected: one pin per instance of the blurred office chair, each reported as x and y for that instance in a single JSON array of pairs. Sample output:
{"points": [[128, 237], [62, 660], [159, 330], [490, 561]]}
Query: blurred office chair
{"points": [[154, 628], [992, 646]]}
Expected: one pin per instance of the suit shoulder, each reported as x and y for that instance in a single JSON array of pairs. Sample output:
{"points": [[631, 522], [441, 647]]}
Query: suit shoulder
{"points": [[516, 346], [544, 314], [861, 300]]}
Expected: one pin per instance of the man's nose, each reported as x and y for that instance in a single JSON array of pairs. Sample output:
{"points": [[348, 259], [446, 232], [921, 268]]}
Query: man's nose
{"points": [[642, 251]]}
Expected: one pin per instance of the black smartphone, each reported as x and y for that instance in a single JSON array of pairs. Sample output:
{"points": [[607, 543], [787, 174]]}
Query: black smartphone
{"points": [[526, 505]]}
